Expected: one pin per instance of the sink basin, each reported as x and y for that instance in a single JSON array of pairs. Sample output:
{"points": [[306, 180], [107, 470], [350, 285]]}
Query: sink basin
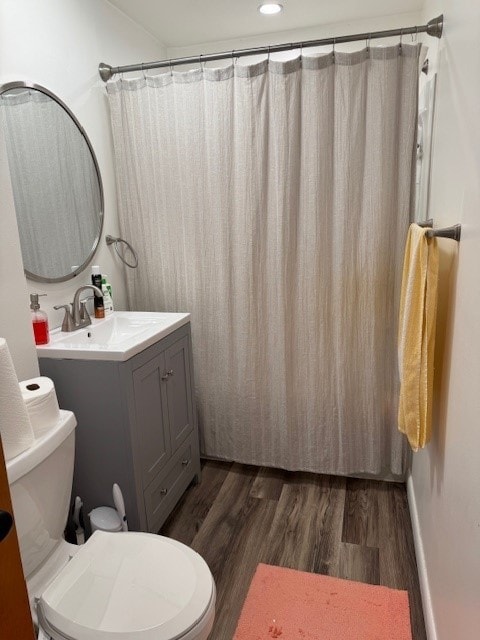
{"points": [[120, 336]]}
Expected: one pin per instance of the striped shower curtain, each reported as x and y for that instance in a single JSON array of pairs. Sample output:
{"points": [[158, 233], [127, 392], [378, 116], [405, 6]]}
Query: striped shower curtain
{"points": [[272, 201]]}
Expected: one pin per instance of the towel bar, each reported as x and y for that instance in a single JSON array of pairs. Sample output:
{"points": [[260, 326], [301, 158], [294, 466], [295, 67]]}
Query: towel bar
{"points": [[426, 223], [453, 233]]}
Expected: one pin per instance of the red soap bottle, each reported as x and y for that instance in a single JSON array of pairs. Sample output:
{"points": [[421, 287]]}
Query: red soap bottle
{"points": [[39, 320]]}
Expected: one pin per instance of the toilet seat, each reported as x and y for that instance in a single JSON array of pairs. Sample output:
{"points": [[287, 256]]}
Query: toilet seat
{"points": [[135, 586]]}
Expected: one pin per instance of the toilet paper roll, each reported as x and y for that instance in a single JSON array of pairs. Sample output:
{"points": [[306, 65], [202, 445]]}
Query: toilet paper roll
{"points": [[40, 398], [15, 427]]}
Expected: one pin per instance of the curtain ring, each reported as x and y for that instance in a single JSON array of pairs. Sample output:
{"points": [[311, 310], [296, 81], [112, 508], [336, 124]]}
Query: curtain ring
{"points": [[268, 54], [401, 37], [171, 68], [143, 71], [333, 50], [201, 62]]}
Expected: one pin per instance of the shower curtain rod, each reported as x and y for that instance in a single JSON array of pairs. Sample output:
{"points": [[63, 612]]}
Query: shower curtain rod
{"points": [[432, 28]]}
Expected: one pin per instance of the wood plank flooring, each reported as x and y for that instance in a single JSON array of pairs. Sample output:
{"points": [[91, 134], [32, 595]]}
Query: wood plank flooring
{"points": [[240, 515]]}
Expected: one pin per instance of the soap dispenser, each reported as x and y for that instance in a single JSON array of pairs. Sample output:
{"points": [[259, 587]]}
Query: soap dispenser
{"points": [[39, 320]]}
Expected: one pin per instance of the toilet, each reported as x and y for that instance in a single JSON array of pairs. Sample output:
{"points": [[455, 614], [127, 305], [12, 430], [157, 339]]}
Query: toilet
{"points": [[125, 586]]}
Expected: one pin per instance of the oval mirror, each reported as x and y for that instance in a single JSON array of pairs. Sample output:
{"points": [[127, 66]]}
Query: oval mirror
{"points": [[56, 182]]}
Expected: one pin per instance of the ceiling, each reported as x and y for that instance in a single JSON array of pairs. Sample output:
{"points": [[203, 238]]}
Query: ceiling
{"points": [[178, 23]]}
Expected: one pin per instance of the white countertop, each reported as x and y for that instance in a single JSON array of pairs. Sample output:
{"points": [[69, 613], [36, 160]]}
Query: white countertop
{"points": [[119, 336]]}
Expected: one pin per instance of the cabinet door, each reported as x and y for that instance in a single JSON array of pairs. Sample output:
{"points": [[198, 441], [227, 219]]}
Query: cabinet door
{"points": [[155, 449], [179, 391]]}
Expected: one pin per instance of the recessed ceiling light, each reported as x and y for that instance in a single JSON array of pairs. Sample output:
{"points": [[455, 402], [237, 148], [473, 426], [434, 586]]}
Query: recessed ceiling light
{"points": [[270, 8]]}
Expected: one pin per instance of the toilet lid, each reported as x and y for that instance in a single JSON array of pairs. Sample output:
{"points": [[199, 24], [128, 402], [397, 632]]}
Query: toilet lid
{"points": [[138, 586]]}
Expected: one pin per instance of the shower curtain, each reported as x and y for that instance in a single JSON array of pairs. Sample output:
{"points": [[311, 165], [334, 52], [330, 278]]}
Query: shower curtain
{"points": [[272, 202]]}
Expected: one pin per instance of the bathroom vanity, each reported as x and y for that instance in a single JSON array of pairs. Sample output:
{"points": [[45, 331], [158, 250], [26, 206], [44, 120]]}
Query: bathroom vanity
{"points": [[135, 411]]}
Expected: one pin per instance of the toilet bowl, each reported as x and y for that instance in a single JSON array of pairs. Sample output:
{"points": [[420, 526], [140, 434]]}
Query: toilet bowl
{"points": [[117, 586]]}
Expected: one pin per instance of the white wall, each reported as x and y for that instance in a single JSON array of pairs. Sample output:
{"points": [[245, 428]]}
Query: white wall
{"points": [[15, 322], [444, 490], [58, 44]]}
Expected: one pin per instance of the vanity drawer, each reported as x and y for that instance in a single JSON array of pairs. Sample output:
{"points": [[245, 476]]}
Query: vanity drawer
{"points": [[166, 489]]}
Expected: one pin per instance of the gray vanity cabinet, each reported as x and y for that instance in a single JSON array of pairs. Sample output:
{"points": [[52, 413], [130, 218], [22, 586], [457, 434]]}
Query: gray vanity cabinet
{"points": [[180, 409], [149, 398], [136, 426]]}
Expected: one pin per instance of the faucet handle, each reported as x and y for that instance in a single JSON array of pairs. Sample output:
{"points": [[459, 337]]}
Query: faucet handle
{"points": [[67, 324]]}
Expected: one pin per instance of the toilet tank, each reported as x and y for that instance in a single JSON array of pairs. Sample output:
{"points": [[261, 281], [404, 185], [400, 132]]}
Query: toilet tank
{"points": [[40, 482]]}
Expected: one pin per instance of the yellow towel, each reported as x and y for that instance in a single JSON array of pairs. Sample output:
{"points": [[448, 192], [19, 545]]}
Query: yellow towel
{"points": [[416, 336]]}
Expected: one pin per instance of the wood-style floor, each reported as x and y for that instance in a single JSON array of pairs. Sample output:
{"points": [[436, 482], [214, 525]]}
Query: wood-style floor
{"points": [[239, 516]]}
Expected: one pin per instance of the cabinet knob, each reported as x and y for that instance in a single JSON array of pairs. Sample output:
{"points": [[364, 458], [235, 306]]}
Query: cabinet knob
{"points": [[185, 463], [163, 492]]}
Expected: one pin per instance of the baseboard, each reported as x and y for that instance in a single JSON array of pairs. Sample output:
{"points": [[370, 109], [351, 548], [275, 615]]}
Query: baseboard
{"points": [[421, 564]]}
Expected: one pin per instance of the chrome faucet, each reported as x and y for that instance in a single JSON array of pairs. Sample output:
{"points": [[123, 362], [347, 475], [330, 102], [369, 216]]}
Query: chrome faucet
{"points": [[79, 316]]}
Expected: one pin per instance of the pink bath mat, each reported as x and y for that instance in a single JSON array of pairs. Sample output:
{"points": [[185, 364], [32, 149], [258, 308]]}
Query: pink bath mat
{"points": [[294, 605]]}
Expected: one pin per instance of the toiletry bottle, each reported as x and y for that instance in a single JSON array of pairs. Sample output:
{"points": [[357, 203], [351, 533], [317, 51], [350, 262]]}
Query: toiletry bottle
{"points": [[107, 296], [39, 320], [97, 302]]}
